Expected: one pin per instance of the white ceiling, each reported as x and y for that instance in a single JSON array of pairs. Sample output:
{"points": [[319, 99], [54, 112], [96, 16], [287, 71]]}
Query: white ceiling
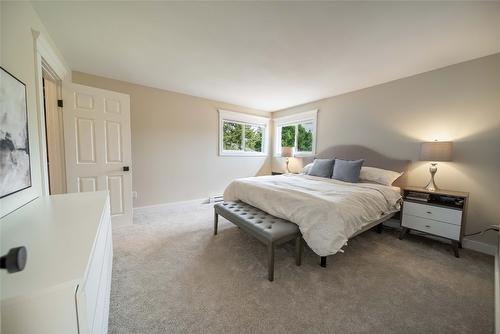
{"points": [[265, 55]]}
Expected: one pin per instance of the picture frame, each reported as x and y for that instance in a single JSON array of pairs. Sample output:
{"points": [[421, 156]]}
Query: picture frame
{"points": [[15, 160]]}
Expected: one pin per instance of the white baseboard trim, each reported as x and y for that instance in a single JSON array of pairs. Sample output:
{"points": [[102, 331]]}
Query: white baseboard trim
{"points": [[170, 204], [481, 247]]}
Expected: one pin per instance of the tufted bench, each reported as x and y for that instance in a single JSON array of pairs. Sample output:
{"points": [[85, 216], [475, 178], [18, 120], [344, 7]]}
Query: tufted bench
{"points": [[268, 229]]}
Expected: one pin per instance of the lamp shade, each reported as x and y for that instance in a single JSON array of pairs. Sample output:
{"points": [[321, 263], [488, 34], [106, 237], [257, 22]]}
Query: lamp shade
{"points": [[436, 151], [287, 152]]}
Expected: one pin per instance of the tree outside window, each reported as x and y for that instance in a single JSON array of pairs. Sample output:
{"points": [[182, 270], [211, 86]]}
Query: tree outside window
{"points": [[254, 135], [298, 135], [233, 139], [243, 137]]}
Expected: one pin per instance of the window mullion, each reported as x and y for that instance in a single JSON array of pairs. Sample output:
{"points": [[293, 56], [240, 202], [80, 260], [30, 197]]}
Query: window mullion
{"points": [[243, 138], [296, 138]]}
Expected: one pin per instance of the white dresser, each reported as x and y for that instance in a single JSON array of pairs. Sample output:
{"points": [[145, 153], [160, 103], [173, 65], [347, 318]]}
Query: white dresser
{"points": [[440, 213], [65, 286]]}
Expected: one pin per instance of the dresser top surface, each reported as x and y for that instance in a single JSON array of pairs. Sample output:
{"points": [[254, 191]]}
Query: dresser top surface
{"points": [[59, 233]]}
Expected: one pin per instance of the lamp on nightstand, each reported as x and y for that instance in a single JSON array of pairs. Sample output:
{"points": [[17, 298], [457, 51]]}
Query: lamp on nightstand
{"points": [[287, 152], [435, 151]]}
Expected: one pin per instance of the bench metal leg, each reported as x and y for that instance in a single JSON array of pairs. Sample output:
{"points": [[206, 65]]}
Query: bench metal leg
{"points": [[216, 222], [323, 261], [270, 262], [298, 250]]}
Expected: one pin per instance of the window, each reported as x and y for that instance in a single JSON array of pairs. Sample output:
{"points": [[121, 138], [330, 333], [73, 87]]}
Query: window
{"points": [[242, 134], [297, 131]]}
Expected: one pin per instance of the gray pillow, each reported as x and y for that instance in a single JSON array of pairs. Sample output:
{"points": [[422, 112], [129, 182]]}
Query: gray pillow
{"points": [[322, 168], [347, 170]]}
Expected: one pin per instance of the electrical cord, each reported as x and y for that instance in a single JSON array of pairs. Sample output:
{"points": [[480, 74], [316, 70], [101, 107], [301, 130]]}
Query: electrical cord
{"points": [[482, 232]]}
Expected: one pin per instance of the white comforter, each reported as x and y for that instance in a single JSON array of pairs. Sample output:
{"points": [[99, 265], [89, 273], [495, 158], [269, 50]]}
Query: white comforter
{"points": [[328, 212]]}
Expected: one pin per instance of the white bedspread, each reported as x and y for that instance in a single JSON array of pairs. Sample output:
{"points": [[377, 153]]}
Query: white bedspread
{"points": [[328, 212]]}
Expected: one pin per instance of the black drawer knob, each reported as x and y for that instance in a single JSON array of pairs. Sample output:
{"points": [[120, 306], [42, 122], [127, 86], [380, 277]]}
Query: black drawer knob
{"points": [[14, 260]]}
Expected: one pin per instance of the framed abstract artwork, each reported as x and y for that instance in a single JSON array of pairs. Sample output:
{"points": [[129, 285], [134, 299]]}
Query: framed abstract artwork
{"points": [[15, 174]]}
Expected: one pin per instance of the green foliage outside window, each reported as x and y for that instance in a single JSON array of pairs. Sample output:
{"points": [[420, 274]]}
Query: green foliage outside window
{"points": [[233, 137], [304, 137], [288, 136], [253, 138]]}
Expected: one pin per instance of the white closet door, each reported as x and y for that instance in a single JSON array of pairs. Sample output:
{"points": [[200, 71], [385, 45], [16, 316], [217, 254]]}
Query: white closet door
{"points": [[97, 145]]}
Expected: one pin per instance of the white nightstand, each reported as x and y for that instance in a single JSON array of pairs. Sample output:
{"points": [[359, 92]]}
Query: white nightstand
{"points": [[441, 213]]}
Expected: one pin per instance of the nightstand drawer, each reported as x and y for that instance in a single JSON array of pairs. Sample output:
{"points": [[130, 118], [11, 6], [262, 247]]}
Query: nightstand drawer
{"points": [[446, 230], [450, 216]]}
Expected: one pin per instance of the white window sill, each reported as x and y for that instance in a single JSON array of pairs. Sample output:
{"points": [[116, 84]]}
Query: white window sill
{"points": [[242, 154], [298, 155]]}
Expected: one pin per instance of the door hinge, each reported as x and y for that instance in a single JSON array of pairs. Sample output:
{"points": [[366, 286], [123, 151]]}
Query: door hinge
{"points": [[60, 103]]}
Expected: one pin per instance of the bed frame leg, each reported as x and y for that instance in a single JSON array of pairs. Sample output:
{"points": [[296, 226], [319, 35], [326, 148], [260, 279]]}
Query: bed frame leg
{"points": [[380, 228], [216, 222], [298, 250], [270, 262], [323, 261]]}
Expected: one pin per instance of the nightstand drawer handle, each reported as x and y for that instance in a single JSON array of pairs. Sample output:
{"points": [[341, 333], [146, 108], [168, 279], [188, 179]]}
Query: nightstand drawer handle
{"points": [[429, 212], [428, 226]]}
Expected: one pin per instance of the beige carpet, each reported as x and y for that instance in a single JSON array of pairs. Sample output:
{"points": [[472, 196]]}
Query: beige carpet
{"points": [[171, 275]]}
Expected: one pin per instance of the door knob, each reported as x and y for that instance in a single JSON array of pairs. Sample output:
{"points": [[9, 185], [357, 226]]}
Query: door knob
{"points": [[14, 260], [126, 168]]}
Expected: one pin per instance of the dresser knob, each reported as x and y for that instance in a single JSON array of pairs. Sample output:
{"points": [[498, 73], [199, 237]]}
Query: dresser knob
{"points": [[14, 260]]}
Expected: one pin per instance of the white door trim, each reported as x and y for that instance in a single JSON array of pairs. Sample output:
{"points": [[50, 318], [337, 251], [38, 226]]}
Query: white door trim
{"points": [[45, 57]]}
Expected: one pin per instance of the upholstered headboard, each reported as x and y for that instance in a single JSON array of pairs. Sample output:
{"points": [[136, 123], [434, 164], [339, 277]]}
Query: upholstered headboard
{"points": [[372, 159]]}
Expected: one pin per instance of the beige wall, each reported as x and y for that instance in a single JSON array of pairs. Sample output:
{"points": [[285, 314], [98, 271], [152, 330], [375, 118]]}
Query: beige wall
{"points": [[459, 103], [17, 55], [175, 144]]}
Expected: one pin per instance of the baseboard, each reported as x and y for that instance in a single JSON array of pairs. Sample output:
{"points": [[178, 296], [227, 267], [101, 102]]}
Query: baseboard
{"points": [[497, 294], [478, 246], [170, 204]]}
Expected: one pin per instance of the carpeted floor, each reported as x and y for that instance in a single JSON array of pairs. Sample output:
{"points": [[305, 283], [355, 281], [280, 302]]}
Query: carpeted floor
{"points": [[171, 275]]}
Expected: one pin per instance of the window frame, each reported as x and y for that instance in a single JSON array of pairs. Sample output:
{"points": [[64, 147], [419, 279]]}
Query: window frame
{"points": [[244, 119], [295, 120]]}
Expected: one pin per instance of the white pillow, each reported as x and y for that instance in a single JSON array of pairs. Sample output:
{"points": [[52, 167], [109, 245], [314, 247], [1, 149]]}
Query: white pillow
{"points": [[378, 175], [307, 168]]}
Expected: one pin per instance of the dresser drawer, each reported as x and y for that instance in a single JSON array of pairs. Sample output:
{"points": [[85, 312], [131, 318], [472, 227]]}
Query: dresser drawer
{"points": [[450, 216], [446, 230], [93, 282], [101, 311]]}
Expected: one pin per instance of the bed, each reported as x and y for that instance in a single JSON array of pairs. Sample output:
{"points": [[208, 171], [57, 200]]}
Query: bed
{"points": [[328, 212]]}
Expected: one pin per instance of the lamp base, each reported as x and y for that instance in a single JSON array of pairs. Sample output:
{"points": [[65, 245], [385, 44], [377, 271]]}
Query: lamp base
{"points": [[431, 186]]}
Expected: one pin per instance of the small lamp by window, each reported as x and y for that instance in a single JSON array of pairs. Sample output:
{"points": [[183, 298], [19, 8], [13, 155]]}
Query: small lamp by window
{"points": [[287, 152], [435, 151]]}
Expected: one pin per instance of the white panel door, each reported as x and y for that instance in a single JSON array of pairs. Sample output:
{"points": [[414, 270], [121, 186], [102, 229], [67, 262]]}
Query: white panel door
{"points": [[97, 145]]}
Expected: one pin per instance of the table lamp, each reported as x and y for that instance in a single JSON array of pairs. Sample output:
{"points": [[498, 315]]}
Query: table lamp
{"points": [[287, 152], [435, 151]]}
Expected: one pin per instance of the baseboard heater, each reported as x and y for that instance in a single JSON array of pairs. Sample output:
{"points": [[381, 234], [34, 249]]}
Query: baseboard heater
{"points": [[216, 198]]}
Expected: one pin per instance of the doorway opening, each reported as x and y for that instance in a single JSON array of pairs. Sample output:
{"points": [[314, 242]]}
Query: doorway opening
{"points": [[54, 135]]}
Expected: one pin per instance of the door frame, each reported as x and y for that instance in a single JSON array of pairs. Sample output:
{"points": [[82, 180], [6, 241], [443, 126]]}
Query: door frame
{"points": [[46, 61]]}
